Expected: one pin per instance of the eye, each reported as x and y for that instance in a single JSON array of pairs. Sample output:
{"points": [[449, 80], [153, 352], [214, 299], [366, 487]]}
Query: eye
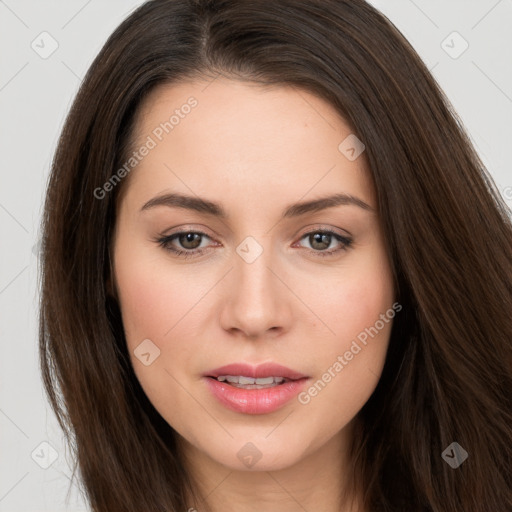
{"points": [[321, 239], [188, 240]]}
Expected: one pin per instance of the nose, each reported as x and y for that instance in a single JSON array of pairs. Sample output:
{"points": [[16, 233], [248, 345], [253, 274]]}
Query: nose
{"points": [[257, 301]]}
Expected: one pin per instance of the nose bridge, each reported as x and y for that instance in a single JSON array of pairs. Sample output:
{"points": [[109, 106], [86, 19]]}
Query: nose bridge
{"points": [[256, 303], [251, 269]]}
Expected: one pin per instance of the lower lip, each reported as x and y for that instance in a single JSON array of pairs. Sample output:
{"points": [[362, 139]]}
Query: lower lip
{"points": [[255, 401]]}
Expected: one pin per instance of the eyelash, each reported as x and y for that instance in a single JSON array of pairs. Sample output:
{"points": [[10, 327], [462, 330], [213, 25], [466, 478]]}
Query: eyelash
{"points": [[164, 242]]}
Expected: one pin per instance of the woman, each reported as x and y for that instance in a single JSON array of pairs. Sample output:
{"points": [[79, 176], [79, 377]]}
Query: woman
{"points": [[275, 273]]}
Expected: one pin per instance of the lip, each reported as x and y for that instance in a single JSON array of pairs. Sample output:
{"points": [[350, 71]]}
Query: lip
{"points": [[255, 401]]}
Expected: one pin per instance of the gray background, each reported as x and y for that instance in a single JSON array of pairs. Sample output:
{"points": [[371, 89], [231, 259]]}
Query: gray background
{"points": [[35, 95]]}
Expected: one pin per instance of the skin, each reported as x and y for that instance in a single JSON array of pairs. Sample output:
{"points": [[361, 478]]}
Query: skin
{"points": [[255, 151]]}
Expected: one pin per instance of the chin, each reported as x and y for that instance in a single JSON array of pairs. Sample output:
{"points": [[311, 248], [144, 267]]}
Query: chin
{"points": [[256, 453]]}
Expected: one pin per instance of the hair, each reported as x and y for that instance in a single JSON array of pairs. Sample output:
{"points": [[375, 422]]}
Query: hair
{"points": [[448, 234]]}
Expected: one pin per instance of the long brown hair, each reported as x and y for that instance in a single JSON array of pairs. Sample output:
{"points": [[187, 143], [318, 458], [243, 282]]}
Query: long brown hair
{"points": [[448, 372]]}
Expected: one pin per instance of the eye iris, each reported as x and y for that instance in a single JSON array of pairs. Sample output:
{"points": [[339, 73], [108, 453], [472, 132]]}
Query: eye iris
{"points": [[188, 238], [322, 238]]}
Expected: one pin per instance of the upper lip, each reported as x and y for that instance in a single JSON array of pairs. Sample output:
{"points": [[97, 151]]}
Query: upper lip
{"points": [[256, 372]]}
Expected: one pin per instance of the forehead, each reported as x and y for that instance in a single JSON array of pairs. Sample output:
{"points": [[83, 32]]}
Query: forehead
{"points": [[228, 138]]}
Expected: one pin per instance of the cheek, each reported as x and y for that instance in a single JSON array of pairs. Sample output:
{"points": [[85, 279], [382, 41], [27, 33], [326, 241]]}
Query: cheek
{"points": [[354, 299], [154, 303], [357, 307], [152, 300]]}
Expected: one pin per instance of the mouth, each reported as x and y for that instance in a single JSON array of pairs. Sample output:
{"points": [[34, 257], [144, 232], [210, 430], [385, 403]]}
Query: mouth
{"points": [[246, 374], [254, 389]]}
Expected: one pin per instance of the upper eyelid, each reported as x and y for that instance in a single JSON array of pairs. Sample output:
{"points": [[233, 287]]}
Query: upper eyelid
{"points": [[313, 229]]}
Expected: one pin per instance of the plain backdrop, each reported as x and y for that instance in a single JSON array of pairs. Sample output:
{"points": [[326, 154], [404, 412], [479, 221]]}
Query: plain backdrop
{"points": [[472, 65]]}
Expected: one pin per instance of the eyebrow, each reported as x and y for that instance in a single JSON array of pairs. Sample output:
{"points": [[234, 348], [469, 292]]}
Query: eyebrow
{"points": [[294, 210]]}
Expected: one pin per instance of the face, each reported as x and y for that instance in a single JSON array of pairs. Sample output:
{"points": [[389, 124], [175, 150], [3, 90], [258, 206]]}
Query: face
{"points": [[218, 260]]}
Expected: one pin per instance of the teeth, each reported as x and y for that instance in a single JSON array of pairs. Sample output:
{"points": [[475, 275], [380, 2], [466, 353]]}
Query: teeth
{"points": [[261, 382], [241, 379]]}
